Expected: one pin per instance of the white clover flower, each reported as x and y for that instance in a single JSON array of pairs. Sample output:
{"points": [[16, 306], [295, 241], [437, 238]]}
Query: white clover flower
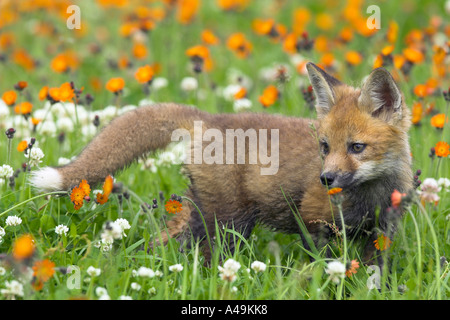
{"points": [[243, 104], [159, 273], [61, 229], [152, 290], [123, 224], [93, 272], [6, 171], [63, 161], [47, 128], [229, 270], [100, 291], [35, 156], [104, 297], [65, 124], [2, 271], [4, 110], [176, 268], [145, 272], [159, 83], [13, 221], [125, 298], [145, 102], [111, 231], [13, 288], [336, 270], [135, 286], [444, 183], [2, 232], [189, 84], [258, 266]]}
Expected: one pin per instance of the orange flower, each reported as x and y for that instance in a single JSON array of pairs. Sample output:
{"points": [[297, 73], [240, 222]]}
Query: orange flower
{"points": [[35, 121], [392, 32], [200, 54], [115, 85], [77, 197], [23, 108], [23, 247], [263, 27], [21, 85], [236, 5], [417, 112], [85, 187], [413, 55], [42, 272], [420, 90], [9, 97], [22, 58], [144, 74], [242, 93], [396, 198], [439, 120], [63, 93], [139, 50], [108, 185], [387, 50], [269, 96], [22, 146], [382, 242], [354, 266], [173, 206], [64, 62], [334, 191], [442, 149], [209, 38], [238, 43], [324, 21], [187, 10], [301, 18], [43, 93], [353, 58]]}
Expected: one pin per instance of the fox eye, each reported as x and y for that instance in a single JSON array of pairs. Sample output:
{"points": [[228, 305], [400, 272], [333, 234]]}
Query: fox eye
{"points": [[325, 147], [357, 147]]}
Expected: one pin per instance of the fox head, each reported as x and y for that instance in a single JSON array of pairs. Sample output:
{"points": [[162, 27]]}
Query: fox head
{"points": [[362, 133]]}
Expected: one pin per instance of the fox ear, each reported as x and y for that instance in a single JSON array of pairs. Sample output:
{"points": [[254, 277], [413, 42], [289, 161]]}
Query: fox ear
{"points": [[381, 97], [323, 85]]}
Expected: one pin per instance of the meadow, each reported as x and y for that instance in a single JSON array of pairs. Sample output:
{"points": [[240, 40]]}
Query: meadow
{"points": [[61, 82]]}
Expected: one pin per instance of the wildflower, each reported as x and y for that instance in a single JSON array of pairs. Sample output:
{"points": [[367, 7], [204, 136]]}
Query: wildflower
{"points": [[439, 120], [334, 191], [23, 108], [19, 86], [23, 145], [100, 291], [209, 38], [200, 57], [102, 198], [6, 171], [382, 242], [258, 266], [176, 268], [187, 10], [9, 97], [65, 93], [239, 44], [139, 51], [413, 55], [232, 5], [144, 74], [42, 272], [145, 272], [189, 84], [23, 247], [442, 183], [13, 221], [269, 96], [242, 105], [353, 58], [115, 85], [61, 229], [125, 298], [396, 198], [135, 286], [35, 155], [173, 206], [123, 224], [111, 231], [354, 266], [93, 272], [13, 288], [442, 149], [229, 270], [10, 133], [417, 112], [77, 197], [336, 270], [428, 191]]}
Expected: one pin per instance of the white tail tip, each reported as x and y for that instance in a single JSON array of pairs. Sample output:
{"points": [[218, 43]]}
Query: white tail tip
{"points": [[46, 180]]}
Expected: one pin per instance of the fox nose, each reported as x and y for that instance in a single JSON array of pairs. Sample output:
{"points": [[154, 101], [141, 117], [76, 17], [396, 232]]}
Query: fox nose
{"points": [[327, 178]]}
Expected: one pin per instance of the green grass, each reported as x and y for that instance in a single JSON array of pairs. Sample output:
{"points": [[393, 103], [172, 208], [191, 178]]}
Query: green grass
{"points": [[418, 251]]}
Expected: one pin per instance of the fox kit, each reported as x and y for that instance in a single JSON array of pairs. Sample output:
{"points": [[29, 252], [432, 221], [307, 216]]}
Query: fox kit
{"points": [[358, 143]]}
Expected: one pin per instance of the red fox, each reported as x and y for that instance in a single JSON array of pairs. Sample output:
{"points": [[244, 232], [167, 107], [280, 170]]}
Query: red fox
{"points": [[358, 143]]}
